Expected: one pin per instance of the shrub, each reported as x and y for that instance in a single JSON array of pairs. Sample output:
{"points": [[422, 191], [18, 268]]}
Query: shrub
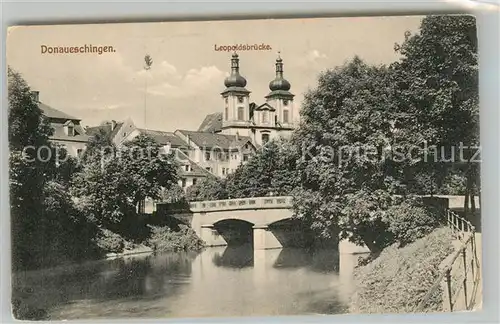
{"points": [[109, 241], [165, 239], [411, 220], [399, 278]]}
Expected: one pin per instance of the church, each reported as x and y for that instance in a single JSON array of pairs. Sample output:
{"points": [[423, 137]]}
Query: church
{"points": [[226, 138], [261, 122]]}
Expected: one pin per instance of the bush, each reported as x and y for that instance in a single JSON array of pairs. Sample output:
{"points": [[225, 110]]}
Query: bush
{"points": [[399, 278], [109, 241], [411, 220], [164, 239]]}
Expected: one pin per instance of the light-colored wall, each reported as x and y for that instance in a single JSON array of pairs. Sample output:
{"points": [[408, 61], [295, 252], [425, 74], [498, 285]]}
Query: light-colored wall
{"points": [[72, 147]]}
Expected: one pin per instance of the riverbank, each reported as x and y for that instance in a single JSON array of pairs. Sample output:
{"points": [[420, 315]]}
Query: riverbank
{"points": [[397, 280]]}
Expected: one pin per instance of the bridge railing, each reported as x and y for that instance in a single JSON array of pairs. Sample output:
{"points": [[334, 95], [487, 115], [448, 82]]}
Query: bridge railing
{"points": [[241, 204], [460, 273]]}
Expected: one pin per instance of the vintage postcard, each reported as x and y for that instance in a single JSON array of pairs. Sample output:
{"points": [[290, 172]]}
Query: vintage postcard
{"points": [[312, 166]]}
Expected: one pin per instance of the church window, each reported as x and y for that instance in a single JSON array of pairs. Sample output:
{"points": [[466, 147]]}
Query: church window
{"points": [[240, 99], [265, 138], [265, 117], [285, 116], [285, 102], [226, 113], [207, 156], [226, 100], [241, 113]]}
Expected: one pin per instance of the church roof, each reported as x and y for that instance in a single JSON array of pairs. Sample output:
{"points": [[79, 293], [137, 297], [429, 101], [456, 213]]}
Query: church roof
{"points": [[209, 140], [164, 138], [212, 123]]}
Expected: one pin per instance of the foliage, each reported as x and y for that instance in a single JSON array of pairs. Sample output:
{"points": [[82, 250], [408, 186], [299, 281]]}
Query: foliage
{"points": [[270, 171], [109, 189], [109, 241], [437, 93], [164, 239], [209, 188], [411, 220], [399, 278], [344, 135]]}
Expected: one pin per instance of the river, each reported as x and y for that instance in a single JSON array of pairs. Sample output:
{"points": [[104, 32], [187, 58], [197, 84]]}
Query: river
{"points": [[218, 282]]}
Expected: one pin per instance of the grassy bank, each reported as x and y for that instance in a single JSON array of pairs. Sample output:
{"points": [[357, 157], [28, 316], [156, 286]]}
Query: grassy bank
{"points": [[397, 280]]}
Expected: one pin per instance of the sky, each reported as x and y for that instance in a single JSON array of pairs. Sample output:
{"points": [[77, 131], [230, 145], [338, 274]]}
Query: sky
{"points": [[187, 75]]}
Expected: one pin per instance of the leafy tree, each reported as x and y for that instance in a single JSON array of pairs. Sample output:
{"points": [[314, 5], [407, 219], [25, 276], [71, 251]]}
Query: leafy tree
{"points": [[109, 189], [210, 188], [270, 171], [345, 139], [437, 91]]}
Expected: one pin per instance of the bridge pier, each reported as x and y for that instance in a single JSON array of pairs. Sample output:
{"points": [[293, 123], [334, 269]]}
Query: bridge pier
{"points": [[264, 239], [211, 236]]}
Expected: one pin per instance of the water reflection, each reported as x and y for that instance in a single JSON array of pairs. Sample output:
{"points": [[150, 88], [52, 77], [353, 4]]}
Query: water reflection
{"points": [[232, 281]]}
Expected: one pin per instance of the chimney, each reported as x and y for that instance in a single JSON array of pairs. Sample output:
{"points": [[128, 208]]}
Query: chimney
{"points": [[35, 95], [113, 124], [237, 136], [188, 140]]}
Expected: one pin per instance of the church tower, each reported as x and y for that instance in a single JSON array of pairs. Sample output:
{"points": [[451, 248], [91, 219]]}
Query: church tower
{"points": [[236, 113], [281, 100]]}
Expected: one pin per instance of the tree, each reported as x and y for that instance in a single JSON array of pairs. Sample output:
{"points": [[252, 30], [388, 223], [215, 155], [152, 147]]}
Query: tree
{"points": [[210, 188], [437, 91], [110, 189], [271, 170], [345, 138]]}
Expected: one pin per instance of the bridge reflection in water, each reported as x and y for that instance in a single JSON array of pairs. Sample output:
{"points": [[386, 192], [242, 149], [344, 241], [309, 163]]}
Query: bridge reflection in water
{"points": [[220, 281]]}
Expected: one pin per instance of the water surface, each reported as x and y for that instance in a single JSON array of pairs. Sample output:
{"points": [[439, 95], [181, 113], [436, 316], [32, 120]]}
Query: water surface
{"points": [[219, 282]]}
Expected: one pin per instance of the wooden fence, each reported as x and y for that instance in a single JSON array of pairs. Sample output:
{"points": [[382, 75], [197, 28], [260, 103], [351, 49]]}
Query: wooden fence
{"points": [[460, 273]]}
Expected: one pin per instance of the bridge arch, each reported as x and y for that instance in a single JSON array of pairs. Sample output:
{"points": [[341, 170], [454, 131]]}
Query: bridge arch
{"points": [[235, 231]]}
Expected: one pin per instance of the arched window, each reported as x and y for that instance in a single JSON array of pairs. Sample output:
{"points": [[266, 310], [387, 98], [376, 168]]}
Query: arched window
{"points": [[265, 138], [226, 111], [285, 116], [241, 113]]}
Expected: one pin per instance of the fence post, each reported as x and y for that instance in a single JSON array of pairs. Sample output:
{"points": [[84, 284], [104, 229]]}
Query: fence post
{"points": [[464, 255], [447, 302]]}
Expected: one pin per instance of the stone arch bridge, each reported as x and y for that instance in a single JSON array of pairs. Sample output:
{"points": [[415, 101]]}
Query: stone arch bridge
{"points": [[265, 222]]}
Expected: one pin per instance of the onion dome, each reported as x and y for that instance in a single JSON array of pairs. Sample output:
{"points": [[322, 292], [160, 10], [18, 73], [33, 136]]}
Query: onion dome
{"points": [[235, 79], [279, 83]]}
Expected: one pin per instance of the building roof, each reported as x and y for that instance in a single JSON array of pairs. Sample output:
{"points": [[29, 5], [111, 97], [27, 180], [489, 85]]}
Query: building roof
{"points": [[209, 140], [212, 123], [60, 135], [105, 128], [164, 138], [54, 113], [196, 170]]}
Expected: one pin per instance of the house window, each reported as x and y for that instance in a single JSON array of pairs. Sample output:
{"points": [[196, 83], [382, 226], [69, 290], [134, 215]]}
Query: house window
{"points": [[183, 181], [79, 152], [187, 168], [241, 113], [226, 114], [265, 117], [223, 171], [285, 116], [265, 138], [207, 156], [240, 99], [194, 181], [209, 169], [245, 157], [71, 130]]}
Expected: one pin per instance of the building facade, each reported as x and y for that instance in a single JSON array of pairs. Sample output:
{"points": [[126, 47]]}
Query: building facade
{"points": [[67, 130]]}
